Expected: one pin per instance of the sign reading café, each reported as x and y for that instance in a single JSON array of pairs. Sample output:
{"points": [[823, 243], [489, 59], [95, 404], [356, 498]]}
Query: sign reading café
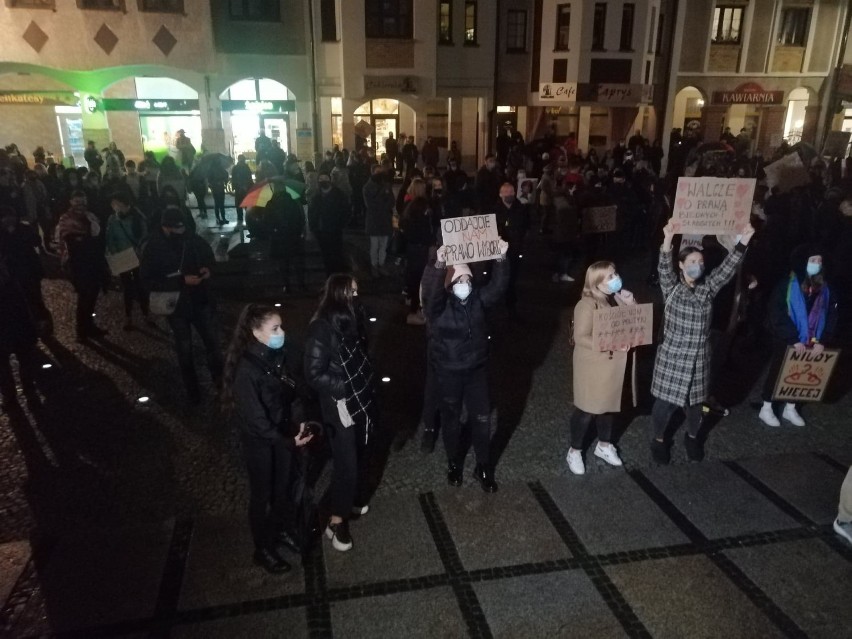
{"points": [[749, 93]]}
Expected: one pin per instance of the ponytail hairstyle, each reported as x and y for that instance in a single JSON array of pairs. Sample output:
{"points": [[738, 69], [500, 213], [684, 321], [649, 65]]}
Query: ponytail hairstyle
{"points": [[252, 317]]}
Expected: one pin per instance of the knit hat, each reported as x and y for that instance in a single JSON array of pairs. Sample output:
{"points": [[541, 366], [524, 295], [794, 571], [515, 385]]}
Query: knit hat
{"points": [[800, 256], [455, 272]]}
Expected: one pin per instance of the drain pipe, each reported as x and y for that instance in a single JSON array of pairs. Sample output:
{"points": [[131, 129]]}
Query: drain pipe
{"points": [[314, 96]]}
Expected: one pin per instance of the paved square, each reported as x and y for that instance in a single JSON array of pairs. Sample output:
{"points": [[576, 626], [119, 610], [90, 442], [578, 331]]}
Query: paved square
{"points": [[13, 560], [689, 597], [505, 528], [280, 623], [559, 604]]}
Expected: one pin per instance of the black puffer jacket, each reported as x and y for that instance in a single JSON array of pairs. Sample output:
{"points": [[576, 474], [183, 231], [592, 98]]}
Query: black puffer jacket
{"points": [[324, 368], [458, 331], [265, 407]]}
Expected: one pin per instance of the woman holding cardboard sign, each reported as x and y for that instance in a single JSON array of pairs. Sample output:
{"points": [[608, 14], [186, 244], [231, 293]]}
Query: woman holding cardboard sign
{"points": [[599, 376], [682, 368], [802, 314]]}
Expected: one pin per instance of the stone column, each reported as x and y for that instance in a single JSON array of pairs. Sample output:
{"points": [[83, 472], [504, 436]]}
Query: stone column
{"points": [[95, 123], [454, 122], [772, 120], [712, 119], [809, 129], [583, 126], [212, 134]]}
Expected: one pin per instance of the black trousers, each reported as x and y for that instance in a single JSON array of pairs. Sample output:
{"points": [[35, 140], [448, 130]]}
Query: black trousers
{"points": [[290, 253], [431, 395], [416, 257], [514, 271], [662, 413], [87, 289], [776, 361], [204, 321], [470, 388], [219, 205], [239, 196], [131, 286], [331, 247], [269, 464], [200, 197], [350, 454], [580, 423]]}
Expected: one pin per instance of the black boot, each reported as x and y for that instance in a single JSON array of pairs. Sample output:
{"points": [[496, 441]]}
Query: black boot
{"points": [[454, 474], [284, 540], [694, 447], [269, 560], [485, 475], [427, 442], [660, 452]]}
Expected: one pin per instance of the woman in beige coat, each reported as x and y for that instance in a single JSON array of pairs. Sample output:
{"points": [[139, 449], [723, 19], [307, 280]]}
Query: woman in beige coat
{"points": [[599, 376]]}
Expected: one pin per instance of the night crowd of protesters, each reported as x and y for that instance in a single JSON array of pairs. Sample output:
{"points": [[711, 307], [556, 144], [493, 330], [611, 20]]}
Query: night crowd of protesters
{"points": [[783, 282]]}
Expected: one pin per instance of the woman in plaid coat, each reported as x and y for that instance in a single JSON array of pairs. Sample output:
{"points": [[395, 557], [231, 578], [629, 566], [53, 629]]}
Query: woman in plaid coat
{"points": [[682, 368]]}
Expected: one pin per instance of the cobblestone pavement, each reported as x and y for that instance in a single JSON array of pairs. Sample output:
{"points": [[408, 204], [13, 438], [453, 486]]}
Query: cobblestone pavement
{"points": [[119, 518]]}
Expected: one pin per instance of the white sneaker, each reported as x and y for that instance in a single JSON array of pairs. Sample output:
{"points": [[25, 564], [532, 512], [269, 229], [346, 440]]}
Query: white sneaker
{"points": [[608, 454], [360, 510], [565, 278], [415, 319], [767, 416], [844, 529], [575, 462], [792, 415]]}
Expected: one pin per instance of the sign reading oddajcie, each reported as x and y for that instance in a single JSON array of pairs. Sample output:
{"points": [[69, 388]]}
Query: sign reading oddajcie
{"points": [[804, 377], [623, 327], [472, 238], [712, 206]]}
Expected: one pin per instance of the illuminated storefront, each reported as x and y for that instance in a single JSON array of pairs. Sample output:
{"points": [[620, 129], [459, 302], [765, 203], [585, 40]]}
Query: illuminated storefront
{"points": [[254, 105]]}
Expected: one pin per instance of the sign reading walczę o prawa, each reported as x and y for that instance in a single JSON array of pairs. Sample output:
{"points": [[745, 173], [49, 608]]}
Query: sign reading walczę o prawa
{"points": [[804, 377], [712, 206]]}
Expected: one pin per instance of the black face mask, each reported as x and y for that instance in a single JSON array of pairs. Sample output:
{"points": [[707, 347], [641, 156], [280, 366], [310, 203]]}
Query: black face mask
{"points": [[325, 187]]}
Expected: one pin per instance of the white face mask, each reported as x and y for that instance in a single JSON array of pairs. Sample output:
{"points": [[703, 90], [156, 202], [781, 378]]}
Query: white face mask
{"points": [[462, 290]]}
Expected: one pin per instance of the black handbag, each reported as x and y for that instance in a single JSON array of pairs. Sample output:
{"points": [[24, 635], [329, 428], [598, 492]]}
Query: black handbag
{"points": [[306, 529]]}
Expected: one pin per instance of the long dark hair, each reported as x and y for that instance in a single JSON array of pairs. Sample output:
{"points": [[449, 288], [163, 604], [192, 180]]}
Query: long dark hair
{"points": [[252, 317], [337, 305]]}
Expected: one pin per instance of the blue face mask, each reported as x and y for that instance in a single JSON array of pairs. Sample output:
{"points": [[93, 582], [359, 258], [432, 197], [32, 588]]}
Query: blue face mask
{"points": [[814, 268], [276, 341], [615, 284], [694, 271], [462, 290]]}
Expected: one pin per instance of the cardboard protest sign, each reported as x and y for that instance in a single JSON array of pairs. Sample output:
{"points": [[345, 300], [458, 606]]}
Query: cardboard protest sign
{"points": [[712, 206], [472, 238], [836, 143], [688, 241], [786, 173], [623, 326], [599, 219], [804, 378]]}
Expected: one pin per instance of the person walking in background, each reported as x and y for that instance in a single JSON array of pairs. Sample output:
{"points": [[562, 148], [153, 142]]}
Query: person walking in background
{"points": [[600, 377], [682, 368], [285, 222], [81, 251], [241, 180], [379, 204], [417, 227], [170, 175], [186, 150], [338, 368], [392, 151], [217, 178], [513, 221], [127, 230], [458, 351], [257, 390], [93, 157], [803, 314], [327, 217]]}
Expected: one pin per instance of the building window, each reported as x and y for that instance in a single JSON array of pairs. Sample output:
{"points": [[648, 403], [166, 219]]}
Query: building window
{"points": [[647, 72], [328, 20], [563, 26], [599, 26], [651, 33], [31, 4], [516, 32], [560, 70], [470, 22], [337, 122], [107, 5], [627, 14], [658, 47], [445, 22], [727, 23], [260, 10], [161, 6], [793, 28], [389, 19]]}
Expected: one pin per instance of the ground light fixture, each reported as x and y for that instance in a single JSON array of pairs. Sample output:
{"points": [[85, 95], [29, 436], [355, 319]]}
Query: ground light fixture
{"points": [[277, 304], [46, 366], [143, 399], [385, 379], [372, 319]]}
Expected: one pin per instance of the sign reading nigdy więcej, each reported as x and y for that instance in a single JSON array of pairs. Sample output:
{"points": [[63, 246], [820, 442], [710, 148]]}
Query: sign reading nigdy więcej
{"points": [[712, 206], [472, 238], [804, 376], [622, 327]]}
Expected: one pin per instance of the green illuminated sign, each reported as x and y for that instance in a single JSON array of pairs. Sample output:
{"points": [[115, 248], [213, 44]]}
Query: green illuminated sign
{"points": [[148, 105]]}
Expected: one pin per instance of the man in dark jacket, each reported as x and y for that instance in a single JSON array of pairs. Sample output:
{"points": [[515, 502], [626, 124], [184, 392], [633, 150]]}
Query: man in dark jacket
{"points": [[488, 181], [93, 157], [379, 204], [392, 150], [458, 351], [285, 222], [430, 153], [328, 213], [241, 180], [513, 220], [409, 156], [175, 260]]}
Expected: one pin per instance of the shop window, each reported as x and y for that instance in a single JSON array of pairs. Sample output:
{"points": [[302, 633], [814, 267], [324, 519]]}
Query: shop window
{"points": [[560, 70], [470, 22], [258, 10], [161, 6], [727, 24], [516, 32], [389, 19], [328, 20], [445, 22], [563, 27], [599, 26], [793, 27], [627, 15], [107, 5], [31, 4]]}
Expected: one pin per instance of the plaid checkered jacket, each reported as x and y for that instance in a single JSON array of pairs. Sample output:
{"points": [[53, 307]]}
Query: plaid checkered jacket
{"points": [[682, 367]]}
